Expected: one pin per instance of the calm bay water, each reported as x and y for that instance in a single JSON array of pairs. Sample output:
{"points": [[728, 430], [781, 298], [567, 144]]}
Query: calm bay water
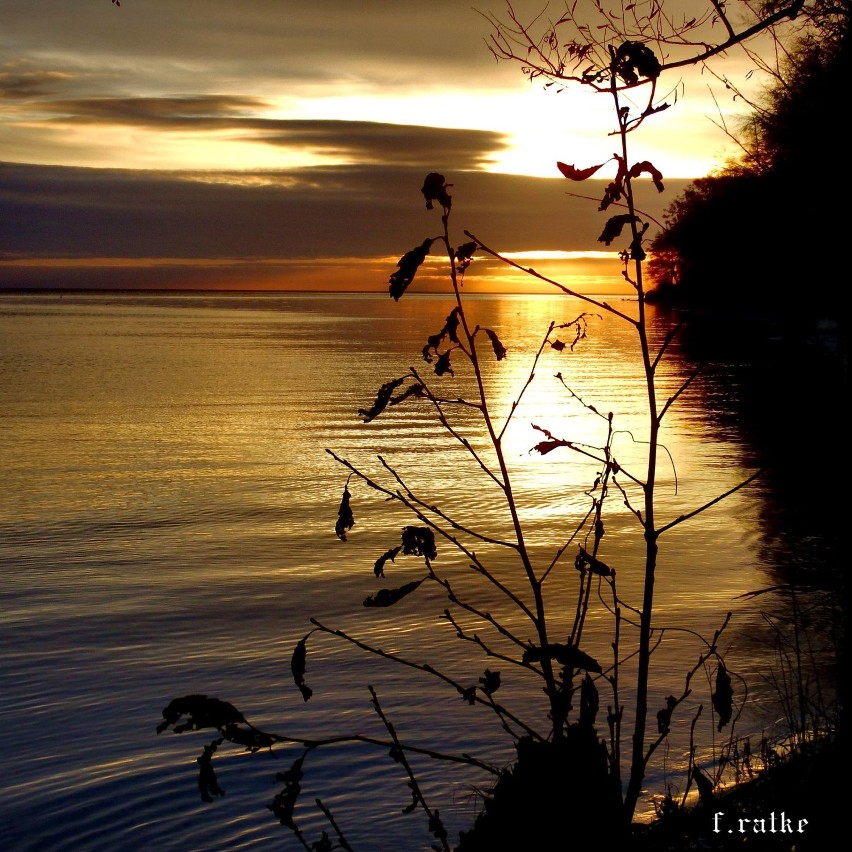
{"points": [[167, 521]]}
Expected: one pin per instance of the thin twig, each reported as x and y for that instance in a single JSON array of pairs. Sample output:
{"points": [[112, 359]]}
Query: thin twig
{"points": [[425, 667], [713, 502]]}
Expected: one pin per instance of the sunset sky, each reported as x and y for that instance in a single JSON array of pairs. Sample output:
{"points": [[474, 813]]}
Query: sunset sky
{"points": [[274, 143]]}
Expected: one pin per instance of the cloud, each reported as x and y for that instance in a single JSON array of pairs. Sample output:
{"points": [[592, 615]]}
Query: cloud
{"points": [[374, 142], [19, 81], [296, 43], [343, 141], [331, 212], [203, 111]]}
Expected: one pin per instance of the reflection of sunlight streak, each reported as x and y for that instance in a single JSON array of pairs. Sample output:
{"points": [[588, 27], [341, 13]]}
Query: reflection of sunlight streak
{"points": [[547, 403], [583, 271]]}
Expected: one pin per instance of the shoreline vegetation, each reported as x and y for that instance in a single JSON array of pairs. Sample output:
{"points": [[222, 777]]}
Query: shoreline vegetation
{"points": [[794, 804]]}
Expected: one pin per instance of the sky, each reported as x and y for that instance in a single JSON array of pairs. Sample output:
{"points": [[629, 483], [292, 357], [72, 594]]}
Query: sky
{"points": [[279, 143]]}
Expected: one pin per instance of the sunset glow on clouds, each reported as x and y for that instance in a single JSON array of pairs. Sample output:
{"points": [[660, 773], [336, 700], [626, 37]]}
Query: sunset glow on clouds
{"points": [[276, 129]]}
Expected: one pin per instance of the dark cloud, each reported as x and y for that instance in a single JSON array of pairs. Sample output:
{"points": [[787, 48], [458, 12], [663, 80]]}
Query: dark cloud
{"points": [[203, 111], [372, 142], [356, 141], [334, 212], [19, 81]]}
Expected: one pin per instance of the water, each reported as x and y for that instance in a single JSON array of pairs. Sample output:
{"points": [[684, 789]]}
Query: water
{"points": [[167, 521]]}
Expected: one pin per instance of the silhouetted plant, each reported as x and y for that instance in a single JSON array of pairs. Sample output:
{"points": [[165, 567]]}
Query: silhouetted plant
{"points": [[566, 770]]}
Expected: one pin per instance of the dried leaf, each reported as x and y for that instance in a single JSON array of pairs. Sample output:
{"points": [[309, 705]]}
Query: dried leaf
{"points": [[499, 348], [435, 189], [433, 341], [586, 562], [442, 365], [645, 166], [419, 541], [388, 597], [465, 252], [589, 701], [450, 330], [664, 716], [558, 345], [451, 326], [200, 712], [408, 265], [208, 786], [613, 227], [383, 398], [615, 189], [490, 682], [573, 173], [723, 697], [544, 447], [634, 60], [412, 390], [469, 695], [298, 664], [379, 567], [613, 192], [284, 802], [345, 519]]}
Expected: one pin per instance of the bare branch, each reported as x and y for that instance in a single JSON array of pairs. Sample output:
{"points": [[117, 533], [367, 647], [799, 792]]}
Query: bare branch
{"points": [[707, 505], [398, 754], [434, 509], [680, 390], [425, 667]]}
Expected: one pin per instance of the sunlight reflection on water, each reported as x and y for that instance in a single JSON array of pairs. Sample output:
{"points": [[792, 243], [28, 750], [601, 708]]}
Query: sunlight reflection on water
{"points": [[167, 528]]}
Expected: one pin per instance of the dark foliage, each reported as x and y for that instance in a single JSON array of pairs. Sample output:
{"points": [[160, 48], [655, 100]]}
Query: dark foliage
{"points": [[345, 519], [298, 663], [388, 597], [758, 232], [723, 697], [805, 784], [490, 682], [284, 803], [208, 786], [545, 798], [379, 566], [435, 189], [200, 712], [664, 716], [408, 265], [383, 399], [433, 342], [632, 61], [573, 173], [464, 254], [496, 345], [645, 167], [614, 226], [442, 365], [419, 541]]}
